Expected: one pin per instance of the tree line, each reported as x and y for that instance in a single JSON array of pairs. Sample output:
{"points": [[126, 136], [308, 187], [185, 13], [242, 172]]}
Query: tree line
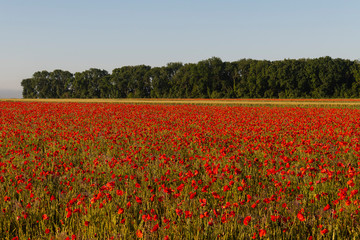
{"points": [[323, 77]]}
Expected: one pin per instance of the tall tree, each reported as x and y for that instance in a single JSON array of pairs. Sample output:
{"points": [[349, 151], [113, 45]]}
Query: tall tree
{"points": [[87, 83], [29, 88], [181, 82], [211, 78], [159, 82], [119, 81], [61, 82], [43, 84], [139, 83]]}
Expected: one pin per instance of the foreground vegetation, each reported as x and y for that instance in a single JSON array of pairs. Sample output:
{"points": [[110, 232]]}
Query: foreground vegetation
{"points": [[337, 103], [123, 171], [212, 78]]}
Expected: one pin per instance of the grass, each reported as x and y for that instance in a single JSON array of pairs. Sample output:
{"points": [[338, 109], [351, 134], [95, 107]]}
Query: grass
{"points": [[352, 103]]}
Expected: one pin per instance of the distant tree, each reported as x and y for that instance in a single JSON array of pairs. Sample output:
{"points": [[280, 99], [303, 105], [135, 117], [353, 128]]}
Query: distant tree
{"points": [[303, 81], [355, 73], [29, 88], [242, 69], [61, 82], [87, 84], [214, 77], [159, 81], [211, 78], [139, 82], [105, 87], [181, 85], [257, 78], [172, 68], [119, 80], [43, 84]]}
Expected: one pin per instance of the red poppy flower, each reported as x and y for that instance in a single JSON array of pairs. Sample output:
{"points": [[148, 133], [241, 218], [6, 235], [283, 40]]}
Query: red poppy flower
{"points": [[324, 231], [247, 220], [300, 217], [120, 211], [327, 207], [139, 233], [155, 228]]}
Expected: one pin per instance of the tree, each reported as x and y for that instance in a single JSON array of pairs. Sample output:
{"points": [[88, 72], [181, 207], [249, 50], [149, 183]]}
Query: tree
{"points": [[159, 81], [43, 84], [181, 82], [119, 81], [29, 88], [241, 74], [139, 82], [87, 83], [211, 78], [61, 83]]}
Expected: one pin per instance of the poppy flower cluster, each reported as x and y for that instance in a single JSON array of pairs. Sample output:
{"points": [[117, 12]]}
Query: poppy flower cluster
{"points": [[123, 171]]}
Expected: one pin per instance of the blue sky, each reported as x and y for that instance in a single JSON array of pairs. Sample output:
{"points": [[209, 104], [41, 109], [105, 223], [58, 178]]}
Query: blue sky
{"points": [[80, 34]]}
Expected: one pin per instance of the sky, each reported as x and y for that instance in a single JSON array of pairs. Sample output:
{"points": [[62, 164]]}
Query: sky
{"points": [[77, 35]]}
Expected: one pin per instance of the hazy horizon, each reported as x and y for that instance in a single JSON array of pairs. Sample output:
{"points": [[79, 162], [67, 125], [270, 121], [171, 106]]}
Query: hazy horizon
{"points": [[10, 93]]}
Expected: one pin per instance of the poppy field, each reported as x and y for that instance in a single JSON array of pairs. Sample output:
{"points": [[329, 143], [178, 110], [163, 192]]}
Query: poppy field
{"points": [[140, 171]]}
